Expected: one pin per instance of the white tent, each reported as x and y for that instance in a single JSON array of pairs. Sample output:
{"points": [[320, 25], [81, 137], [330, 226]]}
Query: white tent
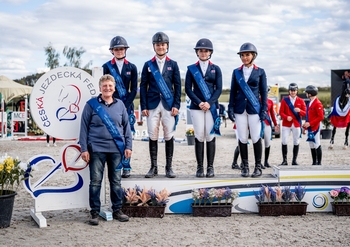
{"points": [[10, 89]]}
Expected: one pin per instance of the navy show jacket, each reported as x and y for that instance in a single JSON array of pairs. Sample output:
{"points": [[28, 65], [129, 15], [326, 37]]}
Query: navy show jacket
{"points": [[257, 83], [150, 95], [129, 77], [213, 80]]}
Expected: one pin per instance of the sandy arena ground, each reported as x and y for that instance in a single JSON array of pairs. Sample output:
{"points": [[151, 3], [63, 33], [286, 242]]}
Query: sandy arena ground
{"points": [[71, 228]]}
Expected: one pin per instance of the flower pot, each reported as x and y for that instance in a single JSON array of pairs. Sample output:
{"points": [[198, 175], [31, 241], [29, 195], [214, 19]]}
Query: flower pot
{"points": [[144, 211], [341, 208], [6, 207], [214, 210], [190, 140], [283, 208], [326, 133]]}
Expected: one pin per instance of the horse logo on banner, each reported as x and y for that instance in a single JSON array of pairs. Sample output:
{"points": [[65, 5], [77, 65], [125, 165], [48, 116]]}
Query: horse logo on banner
{"points": [[56, 104]]}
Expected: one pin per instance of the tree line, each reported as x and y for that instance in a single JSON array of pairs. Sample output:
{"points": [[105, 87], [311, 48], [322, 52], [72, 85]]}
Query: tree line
{"points": [[73, 56]]}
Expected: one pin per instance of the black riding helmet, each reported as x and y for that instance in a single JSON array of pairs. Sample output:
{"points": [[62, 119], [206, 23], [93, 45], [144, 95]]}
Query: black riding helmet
{"points": [[160, 37], [312, 90], [118, 42], [293, 87], [248, 47], [204, 44]]}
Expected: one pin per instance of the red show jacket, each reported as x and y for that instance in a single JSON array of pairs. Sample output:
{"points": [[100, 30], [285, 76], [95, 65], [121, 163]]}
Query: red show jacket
{"points": [[271, 113], [285, 111], [315, 114]]}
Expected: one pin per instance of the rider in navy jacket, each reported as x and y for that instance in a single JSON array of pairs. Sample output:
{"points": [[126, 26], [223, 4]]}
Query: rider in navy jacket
{"points": [[128, 74], [201, 107], [241, 110], [155, 107]]}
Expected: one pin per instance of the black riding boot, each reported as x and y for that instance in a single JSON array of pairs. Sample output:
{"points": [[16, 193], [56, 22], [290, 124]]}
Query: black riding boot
{"points": [[153, 152], [295, 155], [235, 158], [313, 154], [210, 158], [284, 155], [199, 150], [243, 149], [169, 151], [319, 155], [257, 154], [267, 154]]}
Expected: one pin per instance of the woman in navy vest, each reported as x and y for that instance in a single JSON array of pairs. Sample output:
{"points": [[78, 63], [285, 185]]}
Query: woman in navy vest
{"points": [[248, 85], [203, 85]]}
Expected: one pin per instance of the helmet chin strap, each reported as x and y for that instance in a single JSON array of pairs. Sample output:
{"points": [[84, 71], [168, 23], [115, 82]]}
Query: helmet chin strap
{"points": [[121, 57], [205, 59], [161, 55], [117, 57]]}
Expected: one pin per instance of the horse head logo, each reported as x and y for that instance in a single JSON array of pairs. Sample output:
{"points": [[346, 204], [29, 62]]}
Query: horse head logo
{"points": [[69, 97]]}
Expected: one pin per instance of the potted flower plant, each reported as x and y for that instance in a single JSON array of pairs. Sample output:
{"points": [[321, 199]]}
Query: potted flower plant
{"points": [[145, 202], [341, 204], [213, 202], [281, 201], [12, 173], [326, 132], [190, 136]]}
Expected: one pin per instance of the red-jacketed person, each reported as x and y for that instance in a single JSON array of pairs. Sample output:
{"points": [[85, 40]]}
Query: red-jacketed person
{"points": [[314, 117], [292, 110]]}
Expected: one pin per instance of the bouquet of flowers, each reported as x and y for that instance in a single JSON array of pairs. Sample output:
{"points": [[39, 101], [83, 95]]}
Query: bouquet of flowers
{"points": [[340, 194], [208, 196], [278, 194], [146, 197], [12, 173]]}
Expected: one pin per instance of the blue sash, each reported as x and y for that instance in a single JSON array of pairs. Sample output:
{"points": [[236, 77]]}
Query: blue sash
{"points": [[291, 107], [207, 95], [119, 82], [107, 120], [122, 94], [248, 92], [310, 133], [163, 88], [250, 96]]}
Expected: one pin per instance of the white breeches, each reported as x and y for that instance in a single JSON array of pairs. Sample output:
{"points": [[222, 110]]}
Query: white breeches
{"points": [[267, 135], [286, 132], [203, 123], [157, 115], [243, 121]]}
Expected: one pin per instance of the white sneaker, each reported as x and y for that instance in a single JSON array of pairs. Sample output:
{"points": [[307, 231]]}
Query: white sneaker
{"points": [[47, 145], [54, 145]]}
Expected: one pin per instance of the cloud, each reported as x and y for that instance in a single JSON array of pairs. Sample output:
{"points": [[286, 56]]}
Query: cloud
{"points": [[297, 41]]}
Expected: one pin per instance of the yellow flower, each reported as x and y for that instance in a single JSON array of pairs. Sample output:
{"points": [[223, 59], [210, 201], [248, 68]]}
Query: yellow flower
{"points": [[190, 132], [12, 173]]}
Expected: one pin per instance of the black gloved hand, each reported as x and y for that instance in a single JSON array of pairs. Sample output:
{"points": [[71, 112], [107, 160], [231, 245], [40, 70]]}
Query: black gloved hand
{"points": [[230, 114], [263, 115]]}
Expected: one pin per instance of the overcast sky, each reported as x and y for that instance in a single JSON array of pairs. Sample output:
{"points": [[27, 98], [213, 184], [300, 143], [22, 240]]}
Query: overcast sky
{"points": [[298, 41]]}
